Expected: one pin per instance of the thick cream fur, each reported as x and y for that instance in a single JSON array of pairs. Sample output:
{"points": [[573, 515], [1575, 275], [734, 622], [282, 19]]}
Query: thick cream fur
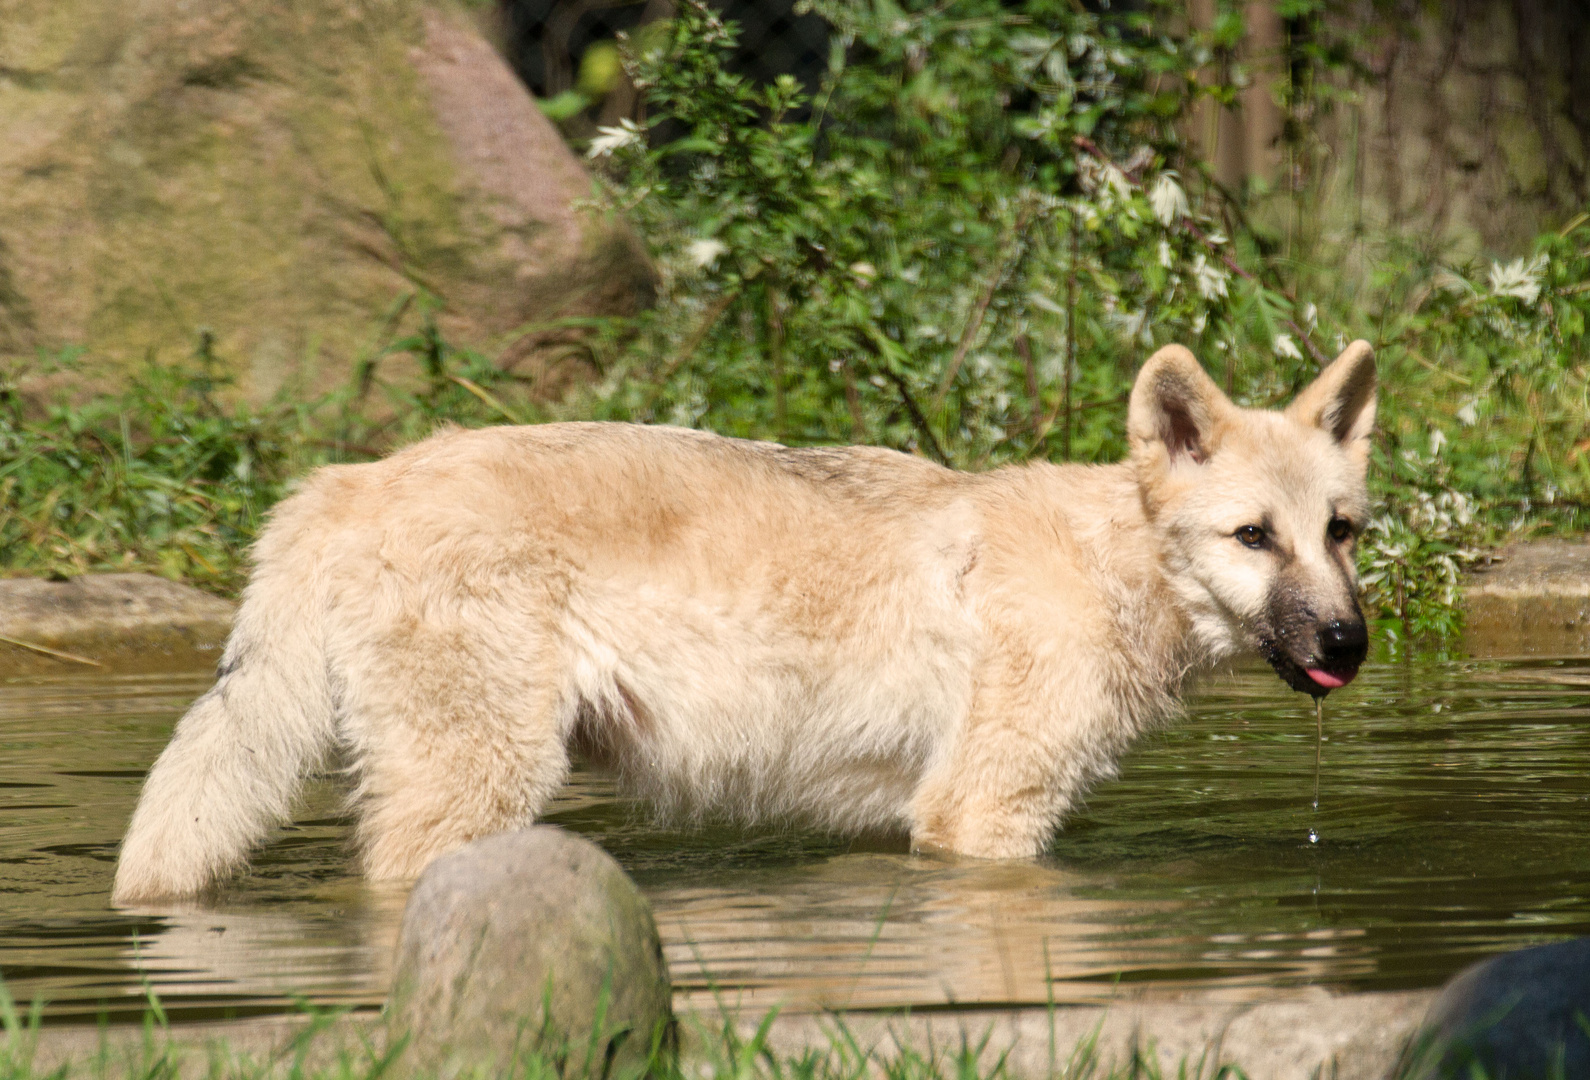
{"points": [[850, 637]]}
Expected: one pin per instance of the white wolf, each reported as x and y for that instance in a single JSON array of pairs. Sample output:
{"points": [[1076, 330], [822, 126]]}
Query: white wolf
{"points": [[850, 637]]}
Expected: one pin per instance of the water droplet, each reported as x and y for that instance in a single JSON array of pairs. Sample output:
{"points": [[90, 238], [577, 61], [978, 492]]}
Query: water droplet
{"points": [[1319, 740]]}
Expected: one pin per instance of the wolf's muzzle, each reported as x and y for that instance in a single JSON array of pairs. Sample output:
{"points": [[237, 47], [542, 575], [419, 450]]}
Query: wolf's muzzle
{"points": [[1332, 662]]}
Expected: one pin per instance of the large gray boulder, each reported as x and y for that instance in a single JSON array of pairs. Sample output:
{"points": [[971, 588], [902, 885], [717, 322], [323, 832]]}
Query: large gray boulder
{"points": [[1524, 1015], [529, 941], [280, 174]]}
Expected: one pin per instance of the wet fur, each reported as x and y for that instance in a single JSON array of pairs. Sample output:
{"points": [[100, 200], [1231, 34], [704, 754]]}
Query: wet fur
{"points": [[848, 637]]}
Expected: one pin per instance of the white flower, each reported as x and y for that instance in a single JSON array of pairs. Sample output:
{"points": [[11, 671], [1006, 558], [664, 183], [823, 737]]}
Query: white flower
{"points": [[1469, 414], [864, 272], [703, 253], [1132, 325], [1310, 317], [1168, 200], [1285, 346], [1516, 279], [1211, 279], [1106, 181], [1200, 322], [1119, 184], [1437, 440], [609, 139], [1166, 259], [1039, 300]]}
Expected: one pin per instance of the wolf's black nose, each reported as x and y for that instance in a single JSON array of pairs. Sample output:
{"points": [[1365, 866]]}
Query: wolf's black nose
{"points": [[1343, 644]]}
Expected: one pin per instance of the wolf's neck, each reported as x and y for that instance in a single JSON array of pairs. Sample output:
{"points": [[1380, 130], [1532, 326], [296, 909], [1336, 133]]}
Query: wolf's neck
{"points": [[1099, 509], [1164, 637]]}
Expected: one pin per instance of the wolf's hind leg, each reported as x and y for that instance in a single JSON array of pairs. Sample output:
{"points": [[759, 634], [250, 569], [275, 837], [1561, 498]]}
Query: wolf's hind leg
{"points": [[452, 741]]}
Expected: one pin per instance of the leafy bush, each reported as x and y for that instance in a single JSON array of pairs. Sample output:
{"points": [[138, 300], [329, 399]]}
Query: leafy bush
{"points": [[1483, 421], [938, 252]]}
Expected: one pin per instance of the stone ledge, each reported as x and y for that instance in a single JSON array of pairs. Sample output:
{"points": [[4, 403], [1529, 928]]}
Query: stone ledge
{"points": [[1292, 1036], [109, 622], [1533, 600], [1350, 1036]]}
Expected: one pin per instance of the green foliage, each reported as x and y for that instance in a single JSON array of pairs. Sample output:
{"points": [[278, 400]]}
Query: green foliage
{"points": [[162, 477], [173, 474], [1483, 430], [1424, 534], [920, 256]]}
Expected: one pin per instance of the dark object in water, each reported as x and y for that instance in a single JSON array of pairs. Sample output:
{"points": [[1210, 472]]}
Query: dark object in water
{"points": [[1524, 1014]]}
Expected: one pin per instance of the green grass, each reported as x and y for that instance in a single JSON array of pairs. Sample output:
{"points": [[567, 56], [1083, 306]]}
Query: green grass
{"points": [[325, 1045], [174, 474], [328, 1046]]}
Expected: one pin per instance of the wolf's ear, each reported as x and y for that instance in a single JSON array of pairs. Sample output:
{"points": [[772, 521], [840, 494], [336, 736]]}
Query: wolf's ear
{"points": [[1342, 400], [1175, 405]]}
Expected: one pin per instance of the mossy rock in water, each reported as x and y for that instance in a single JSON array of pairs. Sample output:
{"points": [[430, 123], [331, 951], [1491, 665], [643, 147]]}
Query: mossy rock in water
{"points": [[280, 174], [529, 942]]}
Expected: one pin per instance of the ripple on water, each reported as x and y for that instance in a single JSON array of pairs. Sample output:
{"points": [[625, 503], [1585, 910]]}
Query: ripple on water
{"points": [[1454, 820]]}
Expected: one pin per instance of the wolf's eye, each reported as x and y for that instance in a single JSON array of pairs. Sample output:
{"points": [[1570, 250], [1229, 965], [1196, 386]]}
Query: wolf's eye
{"points": [[1339, 529], [1251, 535]]}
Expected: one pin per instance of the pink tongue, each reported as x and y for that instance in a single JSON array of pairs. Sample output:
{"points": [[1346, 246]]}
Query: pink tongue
{"points": [[1327, 680]]}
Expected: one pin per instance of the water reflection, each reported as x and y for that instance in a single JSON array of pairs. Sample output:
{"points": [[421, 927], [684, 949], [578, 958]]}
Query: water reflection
{"points": [[869, 930], [1454, 820], [344, 950]]}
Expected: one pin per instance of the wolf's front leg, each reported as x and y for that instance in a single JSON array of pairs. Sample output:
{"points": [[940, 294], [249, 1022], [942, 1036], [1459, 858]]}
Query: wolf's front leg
{"points": [[1011, 772], [994, 802]]}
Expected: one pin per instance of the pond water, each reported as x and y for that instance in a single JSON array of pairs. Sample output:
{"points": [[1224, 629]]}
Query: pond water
{"points": [[1454, 820]]}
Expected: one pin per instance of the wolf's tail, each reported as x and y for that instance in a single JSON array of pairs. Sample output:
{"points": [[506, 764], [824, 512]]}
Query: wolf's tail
{"points": [[236, 759]]}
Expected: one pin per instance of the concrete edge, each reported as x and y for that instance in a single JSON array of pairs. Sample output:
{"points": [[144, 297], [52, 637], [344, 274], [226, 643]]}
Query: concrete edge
{"points": [[1532, 599], [1349, 1036], [109, 623]]}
